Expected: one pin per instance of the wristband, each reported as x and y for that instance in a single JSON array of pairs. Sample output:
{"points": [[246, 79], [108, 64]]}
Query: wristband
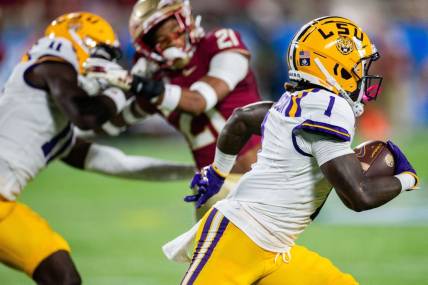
{"points": [[223, 163], [206, 91], [128, 115], [407, 181], [118, 97], [111, 129], [171, 97]]}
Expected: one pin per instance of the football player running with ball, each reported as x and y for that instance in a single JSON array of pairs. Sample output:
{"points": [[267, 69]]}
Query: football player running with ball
{"points": [[193, 79], [249, 237], [39, 105]]}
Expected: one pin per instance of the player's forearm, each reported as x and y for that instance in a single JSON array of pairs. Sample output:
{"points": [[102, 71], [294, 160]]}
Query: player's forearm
{"points": [[357, 191], [110, 161], [376, 191], [191, 102]]}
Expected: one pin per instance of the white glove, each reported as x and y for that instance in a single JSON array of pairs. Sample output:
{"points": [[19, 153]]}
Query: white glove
{"points": [[110, 71], [92, 86], [144, 67]]}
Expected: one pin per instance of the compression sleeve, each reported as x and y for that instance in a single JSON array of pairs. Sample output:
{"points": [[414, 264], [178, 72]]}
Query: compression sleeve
{"points": [[111, 161], [229, 66]]}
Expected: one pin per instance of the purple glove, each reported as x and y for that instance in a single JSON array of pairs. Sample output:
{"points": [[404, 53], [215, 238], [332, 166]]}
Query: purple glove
{"points": [[207, 182], [401, 162]]}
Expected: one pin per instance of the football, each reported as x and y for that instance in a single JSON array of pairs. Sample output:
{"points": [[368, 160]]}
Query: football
{"points": [[375, 158]]}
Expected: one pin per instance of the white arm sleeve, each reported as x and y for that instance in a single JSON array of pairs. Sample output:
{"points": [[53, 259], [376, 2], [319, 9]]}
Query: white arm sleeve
{"points": [[324, 149], [111, 161], [229, 66]]}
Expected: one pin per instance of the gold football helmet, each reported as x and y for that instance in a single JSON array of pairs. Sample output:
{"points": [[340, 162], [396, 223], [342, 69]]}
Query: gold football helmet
{"points": [[86, 31], [335, 53], [147, 14]]}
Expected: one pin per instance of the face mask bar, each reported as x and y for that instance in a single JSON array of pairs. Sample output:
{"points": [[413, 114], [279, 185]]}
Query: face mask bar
{"points": [[369, 85], [107, 52]]}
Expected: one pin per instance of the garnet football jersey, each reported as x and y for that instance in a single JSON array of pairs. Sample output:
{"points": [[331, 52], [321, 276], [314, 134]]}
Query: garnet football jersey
{"points": [[202, 131]]}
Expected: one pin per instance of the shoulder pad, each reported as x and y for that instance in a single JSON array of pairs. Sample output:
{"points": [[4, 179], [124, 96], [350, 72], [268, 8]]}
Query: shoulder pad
{"points": [[57, 47], [327, 114]]}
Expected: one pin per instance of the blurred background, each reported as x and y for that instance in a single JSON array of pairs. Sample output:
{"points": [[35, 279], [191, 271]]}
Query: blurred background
{"points": [[119, 239]]}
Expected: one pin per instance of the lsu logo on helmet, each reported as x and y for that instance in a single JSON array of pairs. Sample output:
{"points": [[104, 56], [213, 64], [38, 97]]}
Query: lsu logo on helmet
{"points": [[335, 53], [345, 45]]}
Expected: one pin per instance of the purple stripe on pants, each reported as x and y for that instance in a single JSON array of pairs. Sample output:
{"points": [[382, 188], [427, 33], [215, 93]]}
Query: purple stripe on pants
{"points": [[219, 234], [201, 241]]}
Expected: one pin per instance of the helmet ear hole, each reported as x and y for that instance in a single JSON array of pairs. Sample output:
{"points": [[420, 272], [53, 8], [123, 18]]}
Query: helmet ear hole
{"points": [[345, 74]]}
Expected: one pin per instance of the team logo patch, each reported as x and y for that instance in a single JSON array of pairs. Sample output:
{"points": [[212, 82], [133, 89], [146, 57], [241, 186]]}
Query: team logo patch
{"points": [[304, 58], [345, 45], [389, 160]]}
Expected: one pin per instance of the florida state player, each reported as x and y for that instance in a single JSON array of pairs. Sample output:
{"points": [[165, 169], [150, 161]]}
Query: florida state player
{"points": [[194, 79]]}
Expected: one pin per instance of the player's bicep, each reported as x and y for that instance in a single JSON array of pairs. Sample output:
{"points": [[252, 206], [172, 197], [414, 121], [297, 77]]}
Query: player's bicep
{"points": [[60, 81], [248, 120]]}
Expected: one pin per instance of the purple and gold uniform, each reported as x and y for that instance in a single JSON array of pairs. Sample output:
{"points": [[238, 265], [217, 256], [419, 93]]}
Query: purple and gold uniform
{"points": [[249, 237]]}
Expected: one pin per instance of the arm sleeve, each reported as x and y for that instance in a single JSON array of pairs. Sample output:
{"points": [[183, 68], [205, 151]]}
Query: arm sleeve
{"points": [[111, 161], [229, 66], [324, 150]]}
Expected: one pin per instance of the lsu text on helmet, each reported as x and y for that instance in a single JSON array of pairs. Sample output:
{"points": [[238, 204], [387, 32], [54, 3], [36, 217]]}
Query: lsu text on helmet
{"points": [[335, 53], [86, 31], [148, 14]]}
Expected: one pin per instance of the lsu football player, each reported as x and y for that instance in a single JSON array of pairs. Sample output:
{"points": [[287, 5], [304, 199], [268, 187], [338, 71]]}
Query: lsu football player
{"points": [[40, 104], [249, 237], [193, 79]]}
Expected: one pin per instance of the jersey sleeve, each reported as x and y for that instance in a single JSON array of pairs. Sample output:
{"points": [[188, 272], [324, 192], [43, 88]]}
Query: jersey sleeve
{"points": [[56, 48], [329, 116], [225, 39]]}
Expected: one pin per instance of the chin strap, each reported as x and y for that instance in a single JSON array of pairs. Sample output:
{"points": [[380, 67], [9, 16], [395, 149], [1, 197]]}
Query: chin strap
{"points": [[357, 106]]}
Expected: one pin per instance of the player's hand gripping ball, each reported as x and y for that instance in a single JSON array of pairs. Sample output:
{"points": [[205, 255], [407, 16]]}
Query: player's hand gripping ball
{"points": [[383, 159]]}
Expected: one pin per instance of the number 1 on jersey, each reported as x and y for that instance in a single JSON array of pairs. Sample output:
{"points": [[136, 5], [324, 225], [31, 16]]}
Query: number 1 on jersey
{"points": [[330, 106]]}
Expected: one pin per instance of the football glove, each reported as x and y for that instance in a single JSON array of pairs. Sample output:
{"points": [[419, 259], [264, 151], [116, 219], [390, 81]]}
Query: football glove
{"points": [[144, 68], [110, 71], [207, 183], [402, 164]]}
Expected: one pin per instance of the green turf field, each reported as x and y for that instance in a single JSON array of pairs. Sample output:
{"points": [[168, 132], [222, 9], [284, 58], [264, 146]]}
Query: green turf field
{"points": [[116, 227]]}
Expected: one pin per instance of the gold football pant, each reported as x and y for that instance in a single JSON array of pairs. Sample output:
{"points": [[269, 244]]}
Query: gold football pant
{"points": [[229, 184], [225, 255], [26, 239]]}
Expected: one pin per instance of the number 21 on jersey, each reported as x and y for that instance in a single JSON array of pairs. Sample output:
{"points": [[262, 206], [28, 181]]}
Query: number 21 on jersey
{"points": [[226, 38]]}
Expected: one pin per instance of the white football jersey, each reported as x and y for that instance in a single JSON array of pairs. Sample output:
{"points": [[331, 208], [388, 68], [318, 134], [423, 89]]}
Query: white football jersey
{"points": [[33, 130], [277, 199]]}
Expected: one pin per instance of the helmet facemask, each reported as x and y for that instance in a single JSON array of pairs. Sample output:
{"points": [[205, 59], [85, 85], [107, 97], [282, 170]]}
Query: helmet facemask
{"points": [[369, 86], [105, 51]]}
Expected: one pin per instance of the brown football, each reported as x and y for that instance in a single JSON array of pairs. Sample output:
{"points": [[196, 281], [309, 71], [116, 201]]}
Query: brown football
{"points": [[375, 158]]}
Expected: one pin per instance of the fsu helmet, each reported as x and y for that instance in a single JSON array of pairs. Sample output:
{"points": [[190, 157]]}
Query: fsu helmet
{"points": [[87, 32], [147, 14], [335, 53]]}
